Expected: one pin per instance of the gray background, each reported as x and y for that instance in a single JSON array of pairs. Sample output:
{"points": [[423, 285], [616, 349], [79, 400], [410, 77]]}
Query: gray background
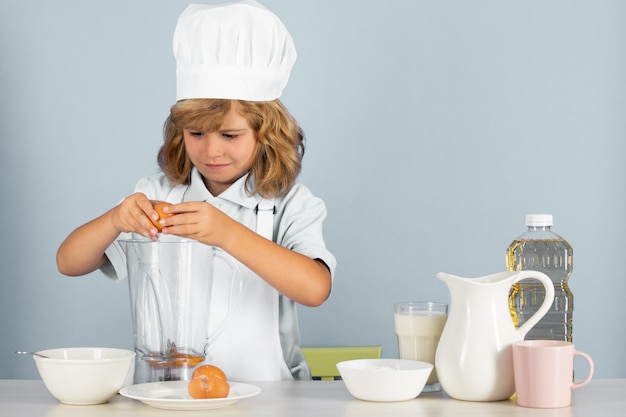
{"points": [[433, 128]]}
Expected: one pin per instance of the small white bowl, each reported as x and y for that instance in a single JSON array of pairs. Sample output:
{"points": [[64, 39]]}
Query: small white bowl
{"points": [[84, 375], [384, 379]]}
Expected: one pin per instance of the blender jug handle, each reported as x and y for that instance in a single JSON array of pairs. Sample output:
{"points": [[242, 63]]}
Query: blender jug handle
{"points": [[236, 287]]}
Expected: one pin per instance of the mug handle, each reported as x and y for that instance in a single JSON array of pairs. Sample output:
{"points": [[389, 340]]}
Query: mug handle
{"points": [[547, 301], [590, 361]]}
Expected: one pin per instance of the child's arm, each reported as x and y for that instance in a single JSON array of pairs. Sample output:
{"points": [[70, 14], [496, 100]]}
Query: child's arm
{"points": [[83, 250], [299, 277], [304, 280]]}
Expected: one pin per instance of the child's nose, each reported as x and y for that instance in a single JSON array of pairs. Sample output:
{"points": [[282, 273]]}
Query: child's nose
{"points": [[212, 146]]}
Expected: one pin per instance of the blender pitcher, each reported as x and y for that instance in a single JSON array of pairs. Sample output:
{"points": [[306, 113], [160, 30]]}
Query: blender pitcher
{"points": [[171, 281]]}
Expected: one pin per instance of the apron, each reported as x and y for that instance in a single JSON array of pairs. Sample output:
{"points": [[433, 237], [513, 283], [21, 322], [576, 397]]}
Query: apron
{"points": [[248, 347]]}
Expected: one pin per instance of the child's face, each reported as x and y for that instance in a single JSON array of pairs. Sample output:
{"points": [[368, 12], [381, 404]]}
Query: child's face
{"points": [[223, 156]]}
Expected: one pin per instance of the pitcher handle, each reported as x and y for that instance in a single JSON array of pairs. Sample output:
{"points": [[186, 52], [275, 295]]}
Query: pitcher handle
{"points": [[547, 301], [236, 286]]}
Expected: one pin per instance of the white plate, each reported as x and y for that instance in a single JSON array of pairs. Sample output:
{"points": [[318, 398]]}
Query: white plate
{"points": [[173, 395]]}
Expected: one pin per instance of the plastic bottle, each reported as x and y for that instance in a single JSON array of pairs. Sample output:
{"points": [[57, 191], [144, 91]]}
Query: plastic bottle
{"points": [[541, 249]]}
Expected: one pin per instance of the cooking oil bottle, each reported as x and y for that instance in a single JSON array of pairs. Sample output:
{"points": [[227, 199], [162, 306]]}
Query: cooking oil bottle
{"points": [[540, 249]]}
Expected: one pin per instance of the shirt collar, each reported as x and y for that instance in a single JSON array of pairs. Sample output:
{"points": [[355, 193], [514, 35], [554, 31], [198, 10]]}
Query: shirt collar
{"points": [[236, 193]]}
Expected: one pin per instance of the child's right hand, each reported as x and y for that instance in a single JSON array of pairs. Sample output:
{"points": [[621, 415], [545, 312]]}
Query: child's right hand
{"points": [[83, 251], [133, 215]]}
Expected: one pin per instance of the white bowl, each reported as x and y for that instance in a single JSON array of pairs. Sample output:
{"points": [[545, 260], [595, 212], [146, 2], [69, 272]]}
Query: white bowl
{"points": [[84, 375], [384, 379]]}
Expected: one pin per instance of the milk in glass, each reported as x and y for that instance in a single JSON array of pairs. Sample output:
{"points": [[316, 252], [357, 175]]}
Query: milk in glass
{"points": [[418, 335]]}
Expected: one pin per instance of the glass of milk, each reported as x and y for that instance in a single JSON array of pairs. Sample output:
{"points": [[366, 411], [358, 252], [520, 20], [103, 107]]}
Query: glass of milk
{"points": [[419, 325]]}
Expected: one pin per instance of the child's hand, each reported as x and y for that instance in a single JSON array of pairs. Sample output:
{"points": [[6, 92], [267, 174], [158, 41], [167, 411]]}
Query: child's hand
{"points": [[197, 220], [133, 215]]}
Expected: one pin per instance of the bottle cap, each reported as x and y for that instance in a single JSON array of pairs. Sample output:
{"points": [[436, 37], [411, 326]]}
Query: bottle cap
{"points": [[539, 220]]}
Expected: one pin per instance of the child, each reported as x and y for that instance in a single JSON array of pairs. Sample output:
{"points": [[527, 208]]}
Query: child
{"points": [[230, 159]]}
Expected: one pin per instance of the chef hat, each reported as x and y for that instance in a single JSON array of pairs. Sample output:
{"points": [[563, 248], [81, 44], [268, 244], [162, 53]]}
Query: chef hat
{"points": [[236, 51]]}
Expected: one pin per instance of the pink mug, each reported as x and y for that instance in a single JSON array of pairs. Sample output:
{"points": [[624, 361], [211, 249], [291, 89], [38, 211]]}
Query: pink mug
{"points": [[544, 371]]}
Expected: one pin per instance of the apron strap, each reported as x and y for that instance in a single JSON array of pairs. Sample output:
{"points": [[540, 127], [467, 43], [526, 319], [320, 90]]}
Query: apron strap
{"points": [[265, 218]]}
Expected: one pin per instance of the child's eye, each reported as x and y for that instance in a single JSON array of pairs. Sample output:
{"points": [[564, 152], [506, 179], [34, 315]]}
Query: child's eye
{"points": [[195, 133], [229, 135]]}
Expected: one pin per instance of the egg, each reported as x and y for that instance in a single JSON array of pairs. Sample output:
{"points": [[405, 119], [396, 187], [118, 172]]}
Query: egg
{"points": [[208, 381], [159, 209]]}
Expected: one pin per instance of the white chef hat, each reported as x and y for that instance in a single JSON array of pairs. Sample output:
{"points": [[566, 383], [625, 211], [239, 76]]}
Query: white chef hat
{"points": [[236, 51]]}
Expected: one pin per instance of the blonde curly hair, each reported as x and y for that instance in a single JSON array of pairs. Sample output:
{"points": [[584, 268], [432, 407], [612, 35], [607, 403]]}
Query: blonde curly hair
{"points": [[280, 145]]}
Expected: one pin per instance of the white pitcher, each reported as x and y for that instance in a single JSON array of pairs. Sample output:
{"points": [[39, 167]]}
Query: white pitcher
{"points": [[474, 358]]}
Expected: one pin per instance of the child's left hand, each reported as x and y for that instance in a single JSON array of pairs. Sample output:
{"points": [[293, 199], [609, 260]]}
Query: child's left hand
{"points": [[197, 220]]}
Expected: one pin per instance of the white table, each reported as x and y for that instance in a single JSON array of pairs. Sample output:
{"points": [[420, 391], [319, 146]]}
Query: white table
{"points": [[29, 398]]}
